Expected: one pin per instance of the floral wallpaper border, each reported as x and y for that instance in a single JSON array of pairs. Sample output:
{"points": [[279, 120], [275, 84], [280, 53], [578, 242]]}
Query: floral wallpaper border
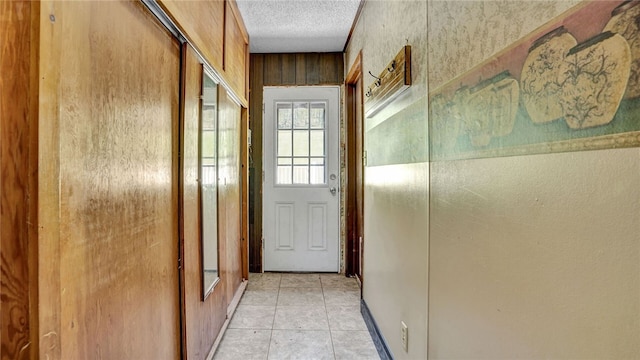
{"points": [[571, 85]]}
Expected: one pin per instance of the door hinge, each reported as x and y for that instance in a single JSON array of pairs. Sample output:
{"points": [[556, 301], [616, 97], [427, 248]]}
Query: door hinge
{"points": [[262, 176], [179, 263], [263, 108], [364, 158]]}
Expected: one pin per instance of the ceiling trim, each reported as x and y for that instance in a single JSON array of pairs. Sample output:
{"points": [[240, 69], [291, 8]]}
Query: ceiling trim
{"points": [[353, 25]]}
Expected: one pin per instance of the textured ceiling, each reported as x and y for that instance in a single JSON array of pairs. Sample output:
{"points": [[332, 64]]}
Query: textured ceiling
{"points": [[285, 26]]}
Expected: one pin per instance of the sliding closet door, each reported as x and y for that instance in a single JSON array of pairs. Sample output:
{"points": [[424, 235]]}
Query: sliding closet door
{"points": [[108, 184], [205, 307]]}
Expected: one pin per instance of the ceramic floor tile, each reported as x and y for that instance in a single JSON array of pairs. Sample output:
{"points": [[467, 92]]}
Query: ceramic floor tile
{"points": [[341, 297], [301, 318], [353, 345], [300, 345], [308, 305], [300, 296], [253, 275], [345, 317], [338, 281], [265, 297], [243, 344], [253, 317], [300, 280], [264, 281]]}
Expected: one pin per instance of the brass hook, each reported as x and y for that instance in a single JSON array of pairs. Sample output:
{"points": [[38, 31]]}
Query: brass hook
{"points": [[378, 81], [392, 68]]}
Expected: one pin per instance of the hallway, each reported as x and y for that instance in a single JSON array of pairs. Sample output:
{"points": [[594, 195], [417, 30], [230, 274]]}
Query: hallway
{"points": [[298, 316], [482, 158]]}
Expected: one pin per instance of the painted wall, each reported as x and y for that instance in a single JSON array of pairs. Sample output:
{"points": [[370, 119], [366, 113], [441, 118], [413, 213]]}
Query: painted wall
{"points": [[536, 257], [531, 256], [396, 182]]}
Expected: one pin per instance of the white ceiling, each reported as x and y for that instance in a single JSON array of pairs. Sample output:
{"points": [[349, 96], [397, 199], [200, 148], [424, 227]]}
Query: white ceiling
{"points": [[286, 26]]}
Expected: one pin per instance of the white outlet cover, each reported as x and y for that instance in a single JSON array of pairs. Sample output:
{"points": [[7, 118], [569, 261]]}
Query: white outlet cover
{"points": [[404, 336]]}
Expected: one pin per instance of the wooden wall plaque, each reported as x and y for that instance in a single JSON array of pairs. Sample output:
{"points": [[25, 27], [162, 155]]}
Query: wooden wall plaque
{"points": [[393, 80]]}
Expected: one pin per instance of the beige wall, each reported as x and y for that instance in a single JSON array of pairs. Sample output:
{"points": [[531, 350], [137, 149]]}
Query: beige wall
{"points": [[383, 28], [519, 257], [536, 257], [531, 256], [462, 34], [396, 192]]}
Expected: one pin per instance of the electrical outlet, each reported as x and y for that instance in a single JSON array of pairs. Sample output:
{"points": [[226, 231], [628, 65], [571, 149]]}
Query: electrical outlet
{"points": [[404, 333]]}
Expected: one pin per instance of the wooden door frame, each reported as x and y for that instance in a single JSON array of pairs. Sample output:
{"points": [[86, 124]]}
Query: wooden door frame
{"points": [[244, 190], [351, 181]]}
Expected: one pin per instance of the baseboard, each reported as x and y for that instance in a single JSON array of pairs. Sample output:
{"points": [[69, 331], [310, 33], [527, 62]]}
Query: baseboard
{"points": [[376, 336], [230, 310], [233, 304]]}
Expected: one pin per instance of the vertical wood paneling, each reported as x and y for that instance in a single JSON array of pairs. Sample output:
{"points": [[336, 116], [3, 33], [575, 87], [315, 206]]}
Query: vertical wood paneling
{"points": [[49, 183], [288, 66], [33, 182], [331, 68], [203, 319], [115, 260], [229, 210], [204, 24], [256, 73], [18, 161], [235, 47], [301, 69], [272, 69], [313, 69], [278, 70]]}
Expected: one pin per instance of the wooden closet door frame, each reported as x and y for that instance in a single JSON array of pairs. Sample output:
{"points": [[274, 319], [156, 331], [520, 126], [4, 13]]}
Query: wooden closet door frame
{"points": [[355, 171]]}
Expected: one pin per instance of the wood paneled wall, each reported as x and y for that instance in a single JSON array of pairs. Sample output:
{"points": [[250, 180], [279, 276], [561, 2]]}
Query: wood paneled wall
{"points": [[18, 163], [278, 70], [108, 254], [301, 69], [202, 319], [236, 51], [229, 182], [203, 21], [217, 31], [90, 142]]}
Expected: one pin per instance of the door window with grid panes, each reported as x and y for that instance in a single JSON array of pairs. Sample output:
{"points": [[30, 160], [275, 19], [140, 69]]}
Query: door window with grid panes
{"points": [[301, 143]]}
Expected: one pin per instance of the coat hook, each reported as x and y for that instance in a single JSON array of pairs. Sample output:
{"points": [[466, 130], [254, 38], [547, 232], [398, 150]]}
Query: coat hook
{"points": [[378, 81], [392, 68], [368, 94]]}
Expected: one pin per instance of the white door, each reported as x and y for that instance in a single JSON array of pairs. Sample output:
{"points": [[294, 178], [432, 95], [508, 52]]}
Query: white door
{"points": [[301, 207]]}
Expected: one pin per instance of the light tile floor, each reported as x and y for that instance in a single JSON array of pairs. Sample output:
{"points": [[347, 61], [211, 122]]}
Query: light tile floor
{"points": [[298, 316]]}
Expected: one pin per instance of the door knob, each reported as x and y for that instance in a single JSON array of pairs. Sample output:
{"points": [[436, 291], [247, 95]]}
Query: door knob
{"points": [[333, 190]]}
